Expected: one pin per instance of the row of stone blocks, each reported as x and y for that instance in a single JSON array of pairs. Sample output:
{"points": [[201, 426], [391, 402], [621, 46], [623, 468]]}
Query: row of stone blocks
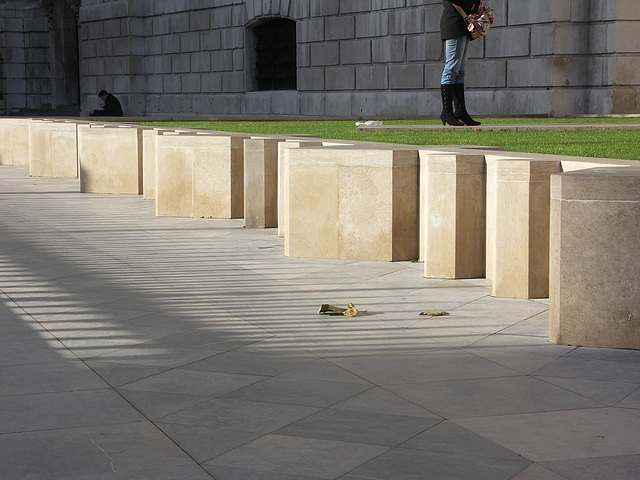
{"points": [[537, 225]]}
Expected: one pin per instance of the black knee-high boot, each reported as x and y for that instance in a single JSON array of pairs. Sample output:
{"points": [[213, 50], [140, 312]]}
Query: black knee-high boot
{"points": [[460, 106], [447, 115]]}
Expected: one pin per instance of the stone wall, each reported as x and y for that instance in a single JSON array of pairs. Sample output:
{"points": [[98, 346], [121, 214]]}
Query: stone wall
{"points": [[358, 58], [24, 54]]}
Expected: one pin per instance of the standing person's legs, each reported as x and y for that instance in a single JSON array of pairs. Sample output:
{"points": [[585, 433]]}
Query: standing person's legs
{"points": [[457, 74], [463, 56], [454, 52]]}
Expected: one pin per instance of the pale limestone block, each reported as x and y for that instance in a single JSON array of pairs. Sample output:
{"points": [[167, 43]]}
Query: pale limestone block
{"points": [[200, 175], [594, 266], [628, 10], [14, 141], [53, 149], [149, 162], [110, 158], [283, 179], [490, 222], [149, 158], [627, 38], [571, 39], [312, 207], [423, 158], [353, 202], [627, 71], [261, 182], [568, 164], [521, 256], [454, 216]]}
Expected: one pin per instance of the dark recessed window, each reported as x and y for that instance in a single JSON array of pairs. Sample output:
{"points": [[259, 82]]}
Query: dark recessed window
{"points": [[275, 57]]}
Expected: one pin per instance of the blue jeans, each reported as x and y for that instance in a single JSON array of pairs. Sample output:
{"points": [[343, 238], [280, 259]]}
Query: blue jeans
{"points": [[456, 52]]}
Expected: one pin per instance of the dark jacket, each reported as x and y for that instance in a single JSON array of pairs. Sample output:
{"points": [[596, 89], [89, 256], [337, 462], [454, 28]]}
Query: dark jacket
{"points": [[112, 107], [451, 23]]}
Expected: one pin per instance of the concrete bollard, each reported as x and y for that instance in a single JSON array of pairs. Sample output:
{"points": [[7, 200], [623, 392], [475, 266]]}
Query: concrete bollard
{"points": [[454, 216], [14, 141], [200, 175], [261, 182], [283, 179], [53, 148], [521, 228], [594, 297], [353, 202], [110, 157]]}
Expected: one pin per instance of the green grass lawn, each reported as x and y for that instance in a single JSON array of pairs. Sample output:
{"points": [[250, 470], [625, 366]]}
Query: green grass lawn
{"points": [[620, 144]]}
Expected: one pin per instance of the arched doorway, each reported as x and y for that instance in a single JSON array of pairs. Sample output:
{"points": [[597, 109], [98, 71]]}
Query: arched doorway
{"points": [[274, 55]]}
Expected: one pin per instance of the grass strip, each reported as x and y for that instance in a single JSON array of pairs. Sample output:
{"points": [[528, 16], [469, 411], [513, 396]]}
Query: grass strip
{"points": [[618, 144]]}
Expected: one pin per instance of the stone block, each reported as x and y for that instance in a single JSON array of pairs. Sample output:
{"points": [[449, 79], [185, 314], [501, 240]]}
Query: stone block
{"points": [[372, 25], [364, 104], [149, 158], [512, 42], [406, 20], [542, 40], [388, 49], [372, 77], [200, 175], [572, 39], [351, 6], [283, 174], [312, 104], [310, 30], [594, 266], [485, 74], [521, 227], [338, 104], [261, 182], [530, 72], [327, 53], [325, 8], [339, 28], [340, 78], [285, 102], [525, 12], [571, 72], [355, 52], [628, 10], [53, 149], [627, 38], [110, 158], [627, 71], [454, 192], [398, 103], [405, 77], [14, 141], [353, 202]]}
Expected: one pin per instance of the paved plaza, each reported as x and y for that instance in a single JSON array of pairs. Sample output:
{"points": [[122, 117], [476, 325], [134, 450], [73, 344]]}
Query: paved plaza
{"points": [[146, 348]]}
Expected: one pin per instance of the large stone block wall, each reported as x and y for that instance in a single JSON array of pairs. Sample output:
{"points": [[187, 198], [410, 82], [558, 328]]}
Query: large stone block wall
{"points": [[24, 57], [357, 58]]}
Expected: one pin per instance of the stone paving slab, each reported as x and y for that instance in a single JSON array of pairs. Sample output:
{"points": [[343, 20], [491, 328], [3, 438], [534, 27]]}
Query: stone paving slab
{"points": [[134, 346]]}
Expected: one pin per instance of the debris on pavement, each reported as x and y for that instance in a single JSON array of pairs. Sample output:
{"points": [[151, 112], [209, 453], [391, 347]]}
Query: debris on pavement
{"points": [[350, 311], [434, 314]]}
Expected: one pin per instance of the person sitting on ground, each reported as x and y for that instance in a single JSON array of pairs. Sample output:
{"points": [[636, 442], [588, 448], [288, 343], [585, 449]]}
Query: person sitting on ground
{"points": [[110, 108]]}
